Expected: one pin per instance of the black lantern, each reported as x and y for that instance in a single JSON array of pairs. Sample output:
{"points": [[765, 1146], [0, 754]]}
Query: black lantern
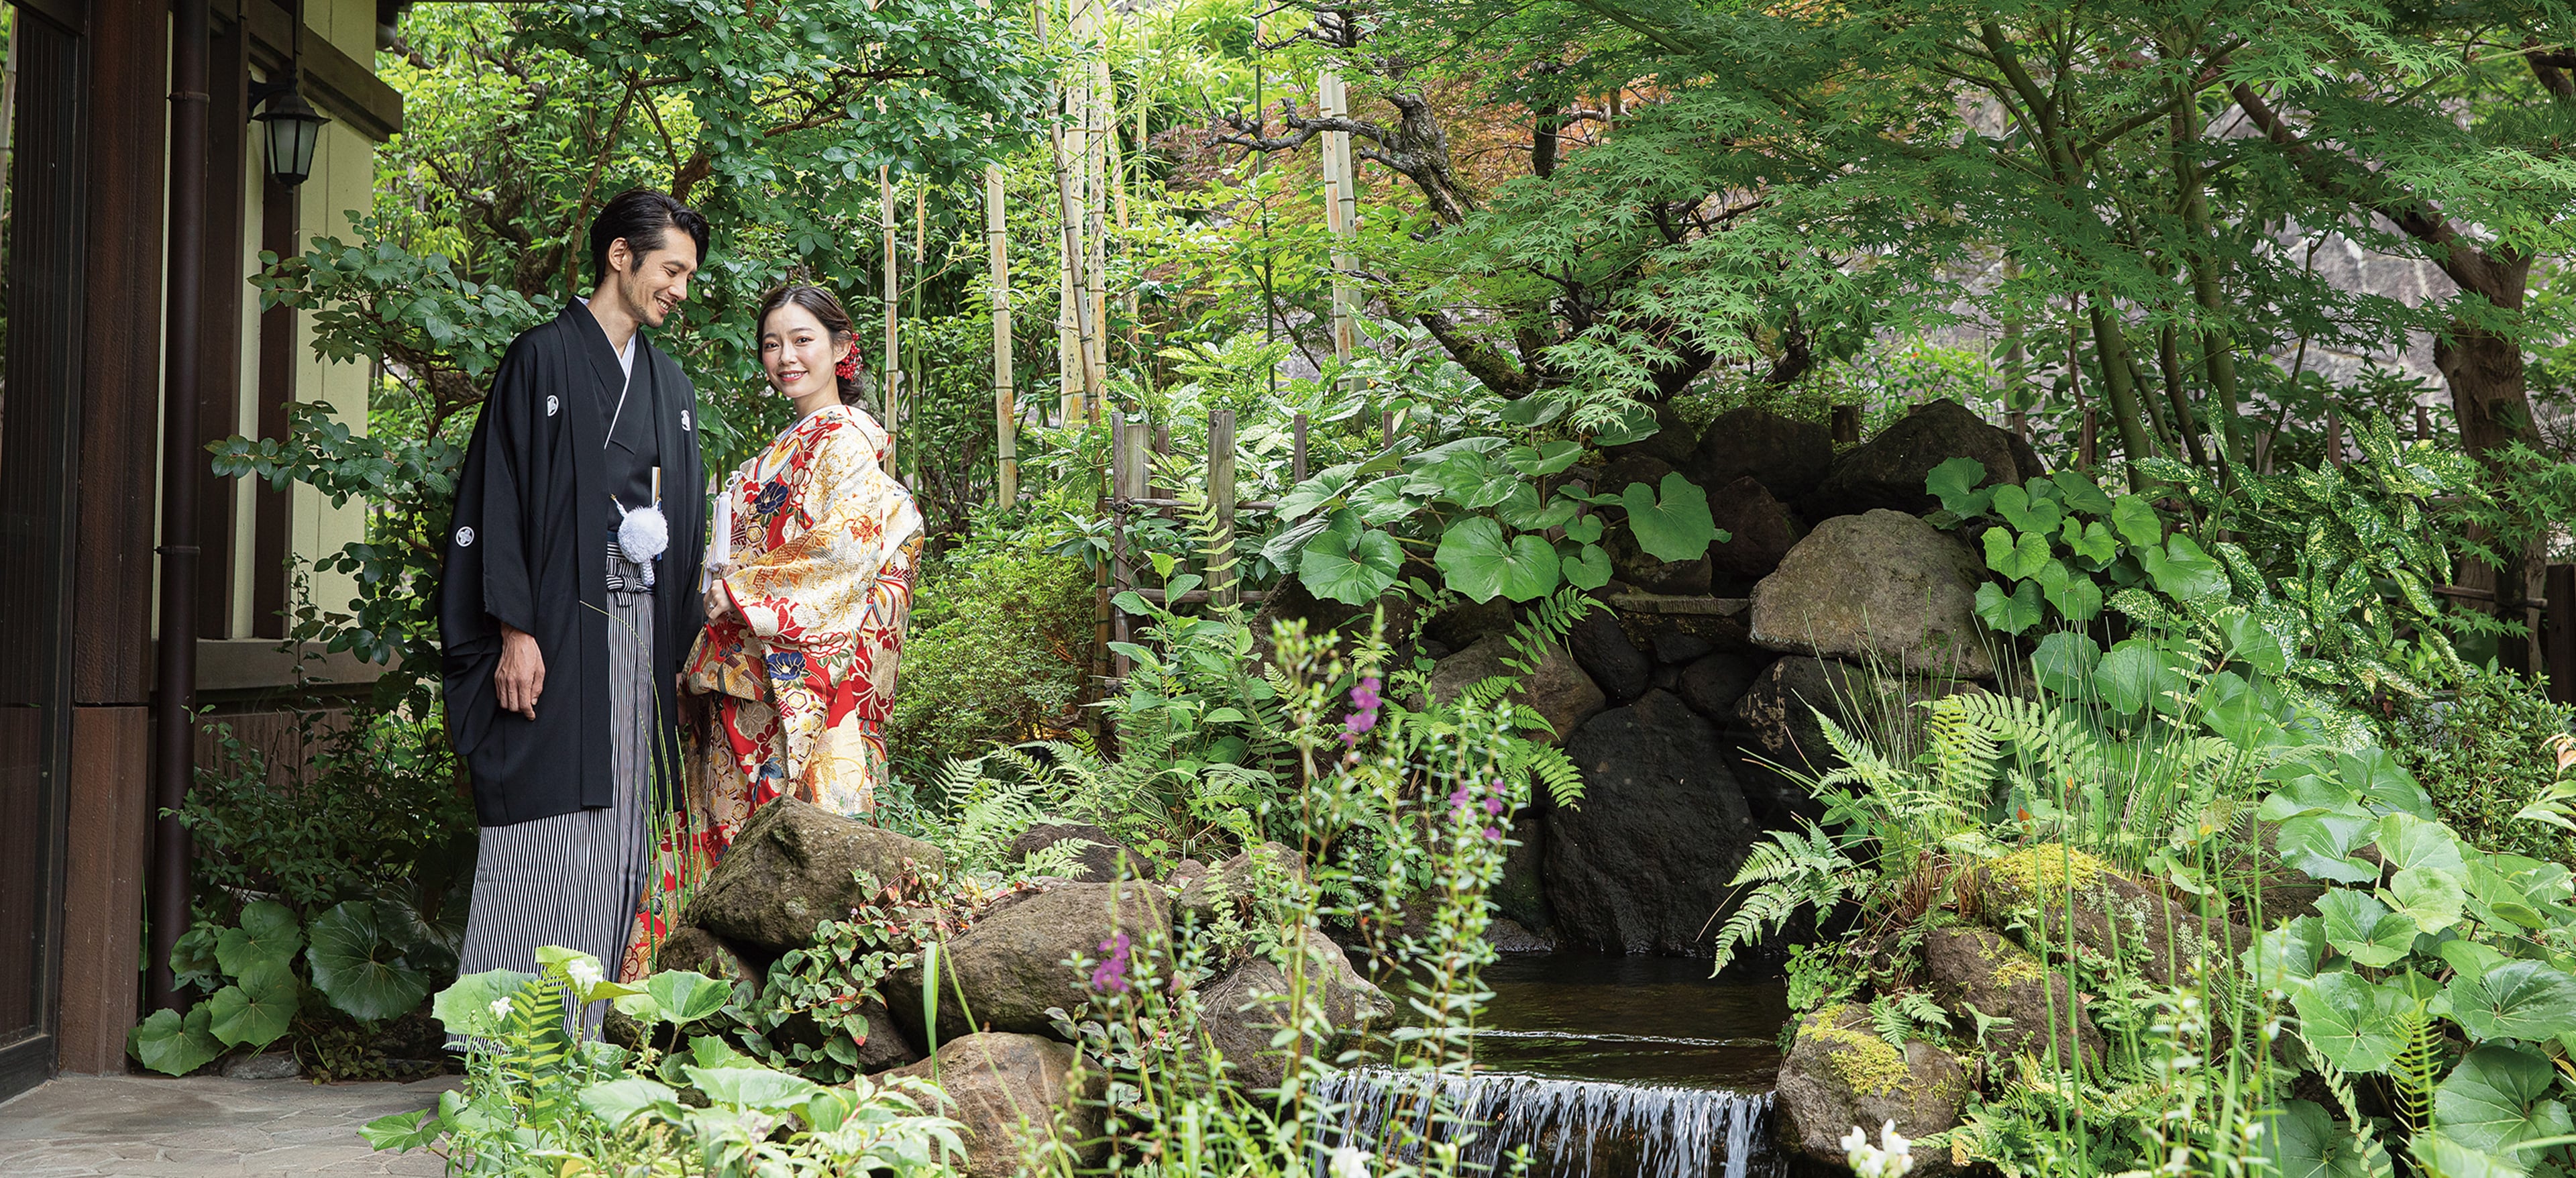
{"points": [[293, 128]]}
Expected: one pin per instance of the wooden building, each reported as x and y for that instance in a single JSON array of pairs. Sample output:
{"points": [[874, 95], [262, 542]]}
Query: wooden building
{"points": [[86, 221]]}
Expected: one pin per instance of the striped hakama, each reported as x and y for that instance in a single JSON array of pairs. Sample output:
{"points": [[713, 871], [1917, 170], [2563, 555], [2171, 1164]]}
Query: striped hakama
{"points": [[573, 880]]}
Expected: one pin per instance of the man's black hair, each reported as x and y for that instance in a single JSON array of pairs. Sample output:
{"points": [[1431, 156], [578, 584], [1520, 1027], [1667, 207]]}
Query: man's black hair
{"points": [[642, 216]]}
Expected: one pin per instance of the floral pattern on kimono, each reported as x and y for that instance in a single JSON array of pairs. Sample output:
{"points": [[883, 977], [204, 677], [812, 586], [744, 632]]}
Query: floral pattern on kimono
{"points": [[801, 671]]}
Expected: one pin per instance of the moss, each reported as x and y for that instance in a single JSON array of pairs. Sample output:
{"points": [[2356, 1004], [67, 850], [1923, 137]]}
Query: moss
{"points": [[1865, 1063], [2012, 966], [2049, 870]]}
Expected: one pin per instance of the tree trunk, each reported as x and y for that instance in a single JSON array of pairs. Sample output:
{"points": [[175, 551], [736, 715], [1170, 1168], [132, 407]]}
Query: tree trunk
{"points": [[2491, 398]]}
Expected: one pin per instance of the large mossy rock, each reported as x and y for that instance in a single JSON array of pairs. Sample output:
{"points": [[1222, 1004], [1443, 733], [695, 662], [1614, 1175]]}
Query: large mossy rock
{"points": [[1016, 1095], [1238, 884], [1239, 1014], [1788, 457], [2111, 914], [1012, 965], [1558, 690], [1098, 856], [1889, 471], [1884, 588], [1840, 1074], [698, 951], [1521, 894], [794, 866], [1778, 709], [1715, 682], [1977, 971], [1645, 862], [1346, 624]]}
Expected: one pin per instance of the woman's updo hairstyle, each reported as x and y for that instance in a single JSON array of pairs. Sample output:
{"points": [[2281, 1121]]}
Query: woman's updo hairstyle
{"points": [[826, 311]]}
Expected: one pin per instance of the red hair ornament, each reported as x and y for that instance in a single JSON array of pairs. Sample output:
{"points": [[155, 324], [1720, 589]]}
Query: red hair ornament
{"points": [[848, 368]]}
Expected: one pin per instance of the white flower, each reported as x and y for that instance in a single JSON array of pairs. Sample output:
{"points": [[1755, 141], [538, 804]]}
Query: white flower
{"points": [[1349, 1162], [501, 1009], [1893, 1157], [583, 971]]}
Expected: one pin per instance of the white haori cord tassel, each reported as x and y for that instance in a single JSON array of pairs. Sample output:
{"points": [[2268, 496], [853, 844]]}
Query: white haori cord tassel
{"points": [[644, 534]]}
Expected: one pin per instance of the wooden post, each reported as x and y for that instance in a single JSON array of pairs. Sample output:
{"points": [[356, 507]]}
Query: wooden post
{"points": [[1222, 587], [2334, 436], [1846, 425], [2088, 439], [1162, 446], [1386, 427], [997, 248], [2423, 424], [1297, 455], [1127, 468], [2559, 638], [1341, 207]]}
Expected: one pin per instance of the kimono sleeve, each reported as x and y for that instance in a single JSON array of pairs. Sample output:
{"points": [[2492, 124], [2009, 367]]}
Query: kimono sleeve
{"points": [[801, 586], [506, 476]]}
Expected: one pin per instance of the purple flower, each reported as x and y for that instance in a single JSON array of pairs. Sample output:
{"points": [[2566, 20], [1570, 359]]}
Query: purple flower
{"points": [[1110, 976], [1363, 715], [1493, 805], [1493, 834], [1460, 797]]}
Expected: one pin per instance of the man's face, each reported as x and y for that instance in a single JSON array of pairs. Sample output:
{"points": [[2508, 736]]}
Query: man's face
{"points": [[651, 285]]}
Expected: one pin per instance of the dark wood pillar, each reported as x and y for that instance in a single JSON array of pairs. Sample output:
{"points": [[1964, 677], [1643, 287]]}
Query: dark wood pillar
{"points": [[219, 346], [272, 510]]}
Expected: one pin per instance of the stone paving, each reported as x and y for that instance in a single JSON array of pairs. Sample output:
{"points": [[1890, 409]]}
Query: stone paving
{"points": [[205, 1127]]}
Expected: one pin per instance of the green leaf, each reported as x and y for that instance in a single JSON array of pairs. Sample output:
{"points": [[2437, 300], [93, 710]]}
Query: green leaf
{"points": [[173, 1044], [620, 1101], [2498, 1098], [465, 1007], [1324, 489], [1478, 563], [1521, 509], [1350, 565], [2184, 572], [2064, 662], [2248, 640], [2351, 1021], [2077, 598], [1584, 529], [2517, 1000], [269, 932], [2009, 613], [752, 1088], [2288, 955], [2081, 493], [2132, 676], [2091, 541], [258, 1009], [356, 970], [1954, 483], [2431, 900], [2137, 521], [2362, 928], [2241, 713], [686, 997], [2302, 1141], [2409, 841], [2322, 844], [1636, 424], [1673, 526], [1547, 459], [2019, 556], [2031, 514], [403, 1132], [1588, 569]]}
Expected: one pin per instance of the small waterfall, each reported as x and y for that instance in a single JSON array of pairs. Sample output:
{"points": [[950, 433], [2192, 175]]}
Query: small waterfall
{"points": [[1572, 1128]]}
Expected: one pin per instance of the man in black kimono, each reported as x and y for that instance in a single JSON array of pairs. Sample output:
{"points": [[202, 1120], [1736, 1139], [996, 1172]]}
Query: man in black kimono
{"points": [[564, 611]]}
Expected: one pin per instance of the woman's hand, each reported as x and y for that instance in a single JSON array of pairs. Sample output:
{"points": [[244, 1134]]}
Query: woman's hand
{"points": [[718, 602]]}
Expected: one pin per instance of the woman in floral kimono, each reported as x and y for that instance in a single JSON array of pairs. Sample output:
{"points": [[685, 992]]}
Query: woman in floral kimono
{"points": [[805, 624]]}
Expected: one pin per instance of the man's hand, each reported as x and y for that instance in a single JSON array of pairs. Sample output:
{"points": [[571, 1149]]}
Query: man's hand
{"points": [[522, 674]]}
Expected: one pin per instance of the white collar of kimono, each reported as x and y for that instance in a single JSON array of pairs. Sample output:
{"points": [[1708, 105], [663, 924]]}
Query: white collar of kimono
{"points": [[625, 355]]}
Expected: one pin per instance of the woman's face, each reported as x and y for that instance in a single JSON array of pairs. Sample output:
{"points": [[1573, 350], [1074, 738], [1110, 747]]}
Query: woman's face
{"points": [[798, 353]]}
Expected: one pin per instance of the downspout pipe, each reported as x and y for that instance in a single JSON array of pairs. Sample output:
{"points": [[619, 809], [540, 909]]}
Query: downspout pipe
{"points": [[174, 694]]}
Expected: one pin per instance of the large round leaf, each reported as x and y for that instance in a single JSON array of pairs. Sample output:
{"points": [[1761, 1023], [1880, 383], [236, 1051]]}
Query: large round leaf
{"points": [[2017, 556], [257, 1009], [2304, 1142], [2429, 899], [620, 1101], [2012, 612], [357, 970], [2362, 928], [2516, 1000], [2409, 841], [2133, 676], [2064, 662], [2286, 956], [465, 1008], [1672, 525], [175, 1044], [1479, 563], [2353, 1022], [1589, 567], [2497, 1098], [1348, 563], [269, 932]]}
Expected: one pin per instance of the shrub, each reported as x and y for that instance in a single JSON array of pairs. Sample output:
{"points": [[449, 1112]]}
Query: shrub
{"points": [[2482, 751], [1000, 636]]}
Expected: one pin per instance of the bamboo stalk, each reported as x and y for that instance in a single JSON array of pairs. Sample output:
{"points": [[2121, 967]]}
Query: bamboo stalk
{"points": [[893, 370], [1341, 208], [997, 246], [1097, 131]]}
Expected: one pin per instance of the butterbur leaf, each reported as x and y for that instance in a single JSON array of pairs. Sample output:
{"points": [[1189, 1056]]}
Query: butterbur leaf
{"points": [[2497, 1098], [753, 1088], [1546, 459], [2075, 596], [269, 932], [1584, 529], [1954, 483], [1671, 525], [2181, 570], [2302, 1141], [2409, 841], [2438, 1152], [1348, 563], [356, 970], [2081, 493], [1480, 564], [175, 1044], [2322, 844], [2431, 900], [2009, 613], [620, 1101], [2351, 1021], [1323, 490], [1521, 509], [465, 1007], [2516, 1000], [2016, 555], [2362, 928], [2241, 713], [403, 1132], [2286, 956], [2132, 676], [2090, 541], [258, 1009], [2260, 648], [686, 997], [2376, 778], [2137, 522], [2064, 662]]}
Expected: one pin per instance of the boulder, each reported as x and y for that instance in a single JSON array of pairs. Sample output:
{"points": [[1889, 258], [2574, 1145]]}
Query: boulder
{"points": [[1238, 1014], [1672, 644], [1778, 708], [1507, 935], [1631, 468], [1653, 574], [1888, 471], [699, 951], [1976, 971], [1645, 862], [1521, 893], [1602, 649], [1013, 964], [1712, 684], [1788, 457], [792, 867], [1558, 690], [1235, 883], [1459, 626], [886, 1045], [1672, 441], [1840, 1074], [1761, 528], [2113, 915], [1097, 858], [1883, 587], [1016, 1095]]}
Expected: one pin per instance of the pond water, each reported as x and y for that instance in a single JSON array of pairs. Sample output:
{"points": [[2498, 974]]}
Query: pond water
{"points": [[1602, 1067]]}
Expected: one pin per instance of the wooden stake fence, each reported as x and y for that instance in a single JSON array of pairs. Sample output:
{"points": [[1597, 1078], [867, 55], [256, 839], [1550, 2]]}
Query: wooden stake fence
{"points": [[1131, 498]]}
